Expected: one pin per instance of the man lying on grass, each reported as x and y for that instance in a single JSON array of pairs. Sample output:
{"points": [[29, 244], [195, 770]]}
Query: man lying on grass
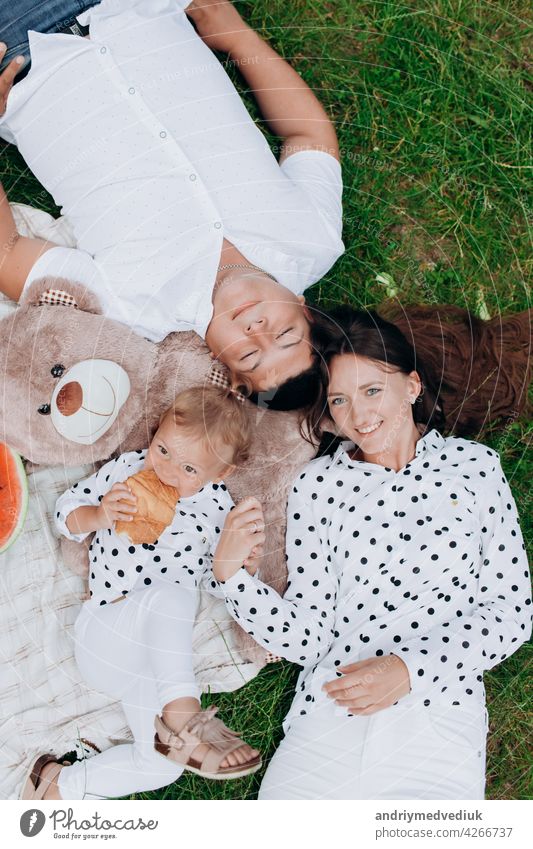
{"points": [[184, 219]]}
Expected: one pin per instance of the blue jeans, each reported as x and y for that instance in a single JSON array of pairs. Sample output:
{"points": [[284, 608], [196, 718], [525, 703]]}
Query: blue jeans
{"points": [[48, 16]]}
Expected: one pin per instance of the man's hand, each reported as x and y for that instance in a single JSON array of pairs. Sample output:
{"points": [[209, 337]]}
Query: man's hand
{"points": [[218, 23], [7, 76], [370, 685], [244, 531]]}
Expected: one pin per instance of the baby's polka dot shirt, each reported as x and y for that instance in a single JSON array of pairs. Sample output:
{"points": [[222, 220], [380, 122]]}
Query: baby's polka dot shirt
{"points": [[181, 554]]}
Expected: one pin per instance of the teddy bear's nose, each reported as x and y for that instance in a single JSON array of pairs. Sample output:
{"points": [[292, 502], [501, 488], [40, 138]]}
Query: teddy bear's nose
{"points": [[69, 398]]}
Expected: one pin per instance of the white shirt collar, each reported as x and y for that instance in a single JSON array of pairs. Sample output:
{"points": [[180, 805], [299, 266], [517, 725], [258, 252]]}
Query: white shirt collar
{"points": [[432, 441]]}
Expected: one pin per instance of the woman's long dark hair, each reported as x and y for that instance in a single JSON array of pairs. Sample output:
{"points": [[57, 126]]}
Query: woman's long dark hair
{"points": [[479, 370], [365, 333]]}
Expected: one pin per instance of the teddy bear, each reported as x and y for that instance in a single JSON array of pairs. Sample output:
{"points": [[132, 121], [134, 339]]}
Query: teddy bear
{"points": [[78, 388]]}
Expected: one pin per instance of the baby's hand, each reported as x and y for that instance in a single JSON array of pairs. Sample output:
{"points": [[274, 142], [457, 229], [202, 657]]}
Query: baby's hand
{"points": [[244, 531], [114, 506], [252, 562]]}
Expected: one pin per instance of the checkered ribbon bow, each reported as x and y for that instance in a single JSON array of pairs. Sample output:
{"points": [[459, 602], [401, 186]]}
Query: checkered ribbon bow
{"points": [[218, 376]]}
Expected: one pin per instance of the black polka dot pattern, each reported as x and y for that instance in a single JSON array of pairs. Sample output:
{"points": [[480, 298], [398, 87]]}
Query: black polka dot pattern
{"points": [[182, 553], [427, 563]]}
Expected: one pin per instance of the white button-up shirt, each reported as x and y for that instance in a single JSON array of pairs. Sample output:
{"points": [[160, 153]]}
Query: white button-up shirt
{"points": [[427, 563], [143, 141]]}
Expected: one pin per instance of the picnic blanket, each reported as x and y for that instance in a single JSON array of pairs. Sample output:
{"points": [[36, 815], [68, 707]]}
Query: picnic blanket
{"points": [[45, 706]]}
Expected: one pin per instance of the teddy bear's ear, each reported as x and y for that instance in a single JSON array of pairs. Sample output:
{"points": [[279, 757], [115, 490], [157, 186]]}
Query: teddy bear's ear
{"points": [[56, 291]]}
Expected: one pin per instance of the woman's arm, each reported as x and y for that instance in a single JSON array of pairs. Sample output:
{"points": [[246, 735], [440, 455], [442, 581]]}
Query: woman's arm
{"points": [[501, 620], [300, 625], [287, 103]]}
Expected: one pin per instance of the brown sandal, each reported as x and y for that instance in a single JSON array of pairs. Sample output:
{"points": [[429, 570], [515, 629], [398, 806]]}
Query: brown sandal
{"points": [[33, 788], [203, 727]]}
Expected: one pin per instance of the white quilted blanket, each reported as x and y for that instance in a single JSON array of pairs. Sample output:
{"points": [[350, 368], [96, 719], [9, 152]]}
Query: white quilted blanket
{"points": [[44, 704]]}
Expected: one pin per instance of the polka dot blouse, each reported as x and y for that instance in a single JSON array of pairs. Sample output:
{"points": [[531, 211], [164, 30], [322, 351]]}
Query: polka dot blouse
{"points": [[427, 563], [182, 553]]}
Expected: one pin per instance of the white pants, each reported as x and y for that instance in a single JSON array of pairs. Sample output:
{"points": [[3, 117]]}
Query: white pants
{"points": [[140, 652], [405, 752]]}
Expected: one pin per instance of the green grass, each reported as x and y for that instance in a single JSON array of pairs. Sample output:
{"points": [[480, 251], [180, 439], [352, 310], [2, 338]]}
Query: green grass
{"points": [[430, 100]]}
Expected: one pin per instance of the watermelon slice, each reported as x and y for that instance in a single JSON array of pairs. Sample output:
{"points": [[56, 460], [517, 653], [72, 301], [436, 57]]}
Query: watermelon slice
{"points": [[13, 496]]}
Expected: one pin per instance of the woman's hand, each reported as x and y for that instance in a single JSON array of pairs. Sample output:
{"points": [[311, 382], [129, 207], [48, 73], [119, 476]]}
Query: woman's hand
{"points": [[370, 685], [7, 76], [218, 23], [117, 505], [244, 531]]}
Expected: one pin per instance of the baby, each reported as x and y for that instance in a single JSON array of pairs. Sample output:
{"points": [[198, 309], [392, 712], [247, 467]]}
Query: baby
{"points": [[134, 634]]}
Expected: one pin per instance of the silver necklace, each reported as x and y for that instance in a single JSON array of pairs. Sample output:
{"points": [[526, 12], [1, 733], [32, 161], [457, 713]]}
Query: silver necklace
{"points": [[242, 265]]}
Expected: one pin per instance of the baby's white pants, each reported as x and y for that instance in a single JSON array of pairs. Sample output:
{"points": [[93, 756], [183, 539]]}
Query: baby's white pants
{"points": [[138, 651], [407, 751]]}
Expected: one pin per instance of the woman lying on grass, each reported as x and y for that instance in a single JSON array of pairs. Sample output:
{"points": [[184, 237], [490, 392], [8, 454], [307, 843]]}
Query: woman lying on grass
{"points": [[407, 579]]}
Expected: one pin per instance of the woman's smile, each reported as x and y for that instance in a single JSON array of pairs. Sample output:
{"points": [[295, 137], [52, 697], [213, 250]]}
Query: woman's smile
{"points": [[369, 428]]}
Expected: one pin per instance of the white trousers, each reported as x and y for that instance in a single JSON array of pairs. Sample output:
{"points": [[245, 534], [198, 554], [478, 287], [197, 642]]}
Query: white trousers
{"points": [[405, 752], [138, 651]]}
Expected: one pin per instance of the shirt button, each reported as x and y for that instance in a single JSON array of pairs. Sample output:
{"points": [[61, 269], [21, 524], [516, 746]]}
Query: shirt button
{"points": [[162, 134], [218, 225], [103, 50], [192, 177], [131, 90]]}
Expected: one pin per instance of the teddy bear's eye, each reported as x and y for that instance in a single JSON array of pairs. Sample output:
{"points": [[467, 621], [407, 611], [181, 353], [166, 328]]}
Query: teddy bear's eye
{"points": [[58, 370], [44, 409]]}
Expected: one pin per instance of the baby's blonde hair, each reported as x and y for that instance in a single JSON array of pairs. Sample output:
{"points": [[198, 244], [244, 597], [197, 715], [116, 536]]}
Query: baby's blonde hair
{"points": [[216, 415]]}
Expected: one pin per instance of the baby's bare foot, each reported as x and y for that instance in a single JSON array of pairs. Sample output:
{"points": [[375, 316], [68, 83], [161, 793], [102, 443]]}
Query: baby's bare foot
{"points": [[240, 756], [176, 715]]}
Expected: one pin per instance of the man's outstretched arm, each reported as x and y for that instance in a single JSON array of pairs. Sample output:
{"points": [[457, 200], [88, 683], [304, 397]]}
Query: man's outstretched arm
{"points": [[287, 103], [17, 253]]}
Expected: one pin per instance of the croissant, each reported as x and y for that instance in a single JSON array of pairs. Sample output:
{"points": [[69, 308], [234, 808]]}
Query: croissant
{"points": [[156, 505]]}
